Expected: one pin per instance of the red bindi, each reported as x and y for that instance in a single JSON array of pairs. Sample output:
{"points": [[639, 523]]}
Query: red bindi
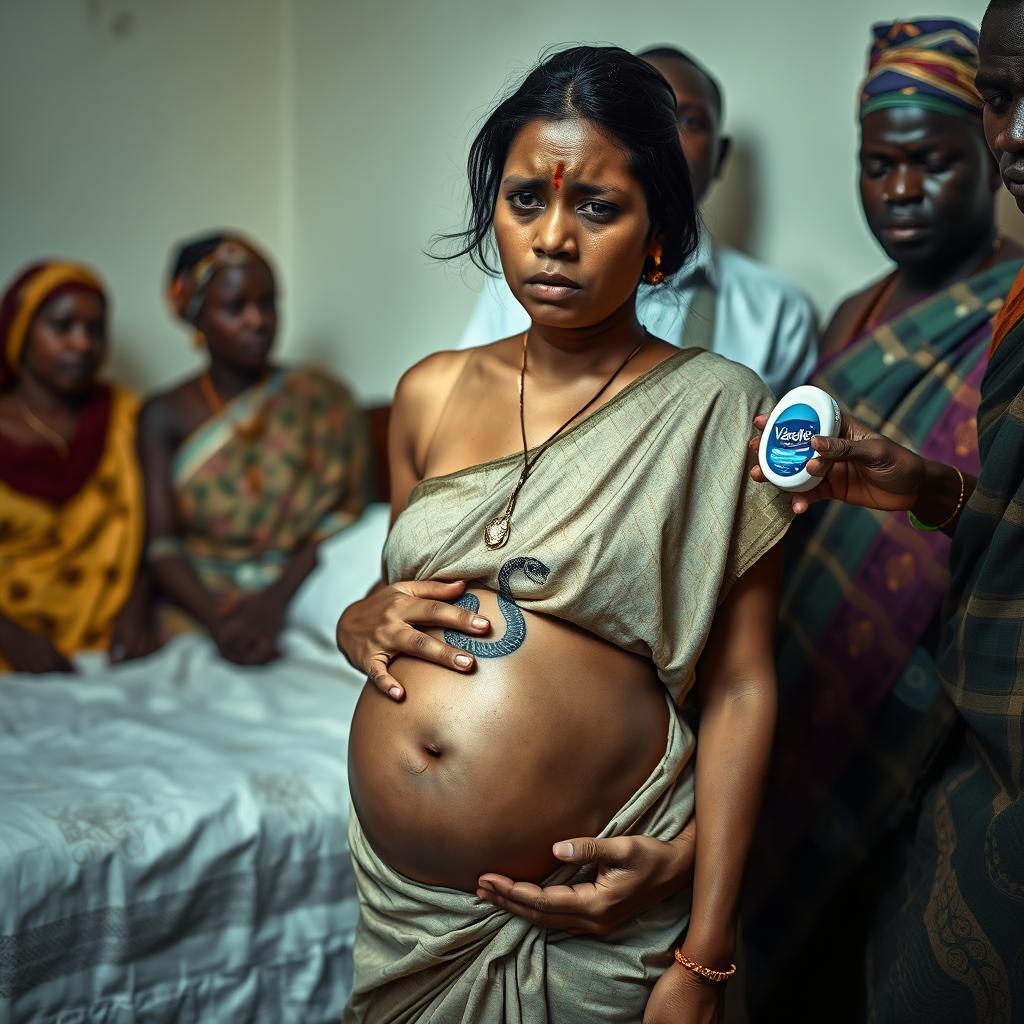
{"points": [[558, 175]]}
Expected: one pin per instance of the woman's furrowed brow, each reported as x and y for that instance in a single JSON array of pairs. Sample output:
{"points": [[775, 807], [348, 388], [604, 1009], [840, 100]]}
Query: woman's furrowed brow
{"points": [[525, 183], [582, 187]]}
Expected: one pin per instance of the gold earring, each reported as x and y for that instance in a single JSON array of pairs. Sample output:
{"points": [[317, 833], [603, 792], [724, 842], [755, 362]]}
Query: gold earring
{"points": [[655, 276], [199, 339]]}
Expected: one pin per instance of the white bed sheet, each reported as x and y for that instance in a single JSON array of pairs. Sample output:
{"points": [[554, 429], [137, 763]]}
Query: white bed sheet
{"points": [[172, 831]]}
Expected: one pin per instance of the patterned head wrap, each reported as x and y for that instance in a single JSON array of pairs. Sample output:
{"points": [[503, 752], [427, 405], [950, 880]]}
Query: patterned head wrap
{"points": [[928, 63], [28, 293], [198, 262]]}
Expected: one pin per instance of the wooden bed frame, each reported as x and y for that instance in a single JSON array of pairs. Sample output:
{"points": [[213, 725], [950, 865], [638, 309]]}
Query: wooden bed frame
{"points": [[378, 417]]}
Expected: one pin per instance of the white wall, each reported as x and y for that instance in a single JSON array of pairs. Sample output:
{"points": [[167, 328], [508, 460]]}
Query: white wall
{"points": [[127, 125], [336, 131]]}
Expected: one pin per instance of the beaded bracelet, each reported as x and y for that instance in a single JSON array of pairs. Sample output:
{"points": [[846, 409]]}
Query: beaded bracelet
{"points": [[918, 525], [705, 972]]}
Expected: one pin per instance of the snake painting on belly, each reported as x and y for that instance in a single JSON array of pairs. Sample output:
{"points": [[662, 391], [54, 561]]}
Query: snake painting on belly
{"points": [[515, 625]]}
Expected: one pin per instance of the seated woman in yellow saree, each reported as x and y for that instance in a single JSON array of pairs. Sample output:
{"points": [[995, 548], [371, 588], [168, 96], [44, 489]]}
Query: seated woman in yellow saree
{"points": [[70, 492], [248, 466]]}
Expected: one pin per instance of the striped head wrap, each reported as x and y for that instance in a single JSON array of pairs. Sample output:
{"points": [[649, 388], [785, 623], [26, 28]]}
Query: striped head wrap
{"points": [[198, 262], [930, 62], [28, 293]]}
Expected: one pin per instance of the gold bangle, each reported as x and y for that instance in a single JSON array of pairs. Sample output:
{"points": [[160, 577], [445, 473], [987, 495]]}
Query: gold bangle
{"points": [[917, 524], [705, 972]]}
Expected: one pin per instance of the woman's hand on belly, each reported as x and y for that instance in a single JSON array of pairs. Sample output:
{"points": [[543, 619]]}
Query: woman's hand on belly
{"points": [[486, 772], [383, 625], [634, 873]]}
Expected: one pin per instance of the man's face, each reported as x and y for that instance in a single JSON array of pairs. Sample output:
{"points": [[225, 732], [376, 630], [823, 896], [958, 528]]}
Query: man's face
{"points": [[1001, 84], [926, 185], [699, 121]]}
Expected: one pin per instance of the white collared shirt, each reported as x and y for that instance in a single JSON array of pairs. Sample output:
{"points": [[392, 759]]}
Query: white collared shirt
{"points": [[761, 318]]}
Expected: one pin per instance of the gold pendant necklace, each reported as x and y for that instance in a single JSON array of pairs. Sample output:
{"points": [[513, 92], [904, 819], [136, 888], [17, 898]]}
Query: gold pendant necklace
{"points": [[498, 530], [44, 430]]}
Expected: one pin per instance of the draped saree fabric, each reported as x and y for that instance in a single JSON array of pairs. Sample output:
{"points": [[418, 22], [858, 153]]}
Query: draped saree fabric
{"points": [[645, 516], [71, 528], [281, 465], [862, 712], [948, 945]]}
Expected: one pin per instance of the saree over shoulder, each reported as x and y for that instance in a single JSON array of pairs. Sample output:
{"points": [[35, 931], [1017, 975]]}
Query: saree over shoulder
{"points": [[71, 529], [282, 465], [645, 516]]}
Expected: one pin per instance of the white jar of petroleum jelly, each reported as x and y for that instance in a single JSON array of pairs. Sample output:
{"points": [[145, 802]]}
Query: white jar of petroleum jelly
{"points": [[785, 447]]}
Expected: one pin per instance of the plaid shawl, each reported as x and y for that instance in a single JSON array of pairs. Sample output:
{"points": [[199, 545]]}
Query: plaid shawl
{"points": [[949, 942], [861, 710]]}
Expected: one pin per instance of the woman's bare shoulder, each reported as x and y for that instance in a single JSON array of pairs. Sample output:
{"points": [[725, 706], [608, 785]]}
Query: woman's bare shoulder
{"points": [[429, 381], [164, 415], [428, 384]]}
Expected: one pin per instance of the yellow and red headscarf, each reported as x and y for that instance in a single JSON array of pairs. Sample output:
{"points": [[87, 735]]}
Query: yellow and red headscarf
{"points": [[27, 294], [929, 62]]}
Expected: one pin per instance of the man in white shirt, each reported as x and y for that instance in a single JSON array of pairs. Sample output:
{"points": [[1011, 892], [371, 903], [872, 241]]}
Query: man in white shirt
{"points": [[721, 300]]}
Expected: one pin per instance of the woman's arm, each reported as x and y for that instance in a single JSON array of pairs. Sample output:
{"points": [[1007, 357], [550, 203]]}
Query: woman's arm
{"points": [[238, 639], [175, 575], [736, 690], [134, 633], [248, 628], [383, 625]]}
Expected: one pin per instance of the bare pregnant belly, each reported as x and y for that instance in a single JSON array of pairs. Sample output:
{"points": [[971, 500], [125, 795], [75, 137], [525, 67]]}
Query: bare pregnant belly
{"points": [[484, 772]]}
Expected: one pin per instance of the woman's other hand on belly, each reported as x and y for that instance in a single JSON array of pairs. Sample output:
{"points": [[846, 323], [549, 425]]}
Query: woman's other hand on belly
{"points": [[383, 625], [634, 874]]}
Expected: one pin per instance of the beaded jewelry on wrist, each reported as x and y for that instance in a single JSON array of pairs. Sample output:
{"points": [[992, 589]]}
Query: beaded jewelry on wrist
{"points": [[917, 524], [705, 972]]}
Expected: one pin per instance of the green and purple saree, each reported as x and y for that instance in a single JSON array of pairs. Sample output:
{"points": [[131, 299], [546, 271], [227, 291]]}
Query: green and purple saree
{"points": [[862, 713]]}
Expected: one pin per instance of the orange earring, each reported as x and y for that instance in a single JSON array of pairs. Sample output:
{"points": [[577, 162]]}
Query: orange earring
{"points": [[655, 276], [199, 339]]}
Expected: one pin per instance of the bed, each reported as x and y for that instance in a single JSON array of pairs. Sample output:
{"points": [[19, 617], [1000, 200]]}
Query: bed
{"points": [[172, 831]]}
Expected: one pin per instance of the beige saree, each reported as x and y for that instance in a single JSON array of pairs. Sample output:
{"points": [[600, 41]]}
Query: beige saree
{"points": [[644, 516]]}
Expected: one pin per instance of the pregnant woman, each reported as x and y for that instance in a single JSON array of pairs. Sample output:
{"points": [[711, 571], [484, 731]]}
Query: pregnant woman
{"points": [[574, 529]]}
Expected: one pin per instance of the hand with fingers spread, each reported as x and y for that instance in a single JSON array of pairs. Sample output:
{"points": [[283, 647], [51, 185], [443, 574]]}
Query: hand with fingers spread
{"points": [[634, 873], [862, 467], [384, 624]]}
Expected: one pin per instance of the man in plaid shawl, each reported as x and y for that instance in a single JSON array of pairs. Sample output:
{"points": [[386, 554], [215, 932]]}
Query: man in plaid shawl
{"points": [[862, 711], [947, 944]]}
